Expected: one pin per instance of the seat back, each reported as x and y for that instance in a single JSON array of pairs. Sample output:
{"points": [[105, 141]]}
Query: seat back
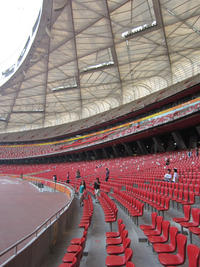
{"points": [[173, 231], [196, 216], [165, 229], [153, 219], [126, 243], [181, 246], [185, 195], [180, 194], [128, 254], [193, 255], [130, 264], [124, 234], [187, 209], [162, 202], [121, 228], [192, 197], [175, 195], [167, 203], [83, 241], [119, 221], [74, 262], [84, 233], [79, 254], [159, 223]]}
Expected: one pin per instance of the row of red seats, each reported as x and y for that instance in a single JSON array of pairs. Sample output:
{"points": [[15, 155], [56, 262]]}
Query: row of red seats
{"points": [[109, 207], [118, 243], [191, 225], [75, 250], [179, 196], [87, 211], [133, 206], [166, 187], [156, 201], [174, 252]]}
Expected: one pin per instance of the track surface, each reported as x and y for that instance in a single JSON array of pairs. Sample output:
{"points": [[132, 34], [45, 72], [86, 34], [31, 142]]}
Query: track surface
{"points": [[23, 208]]}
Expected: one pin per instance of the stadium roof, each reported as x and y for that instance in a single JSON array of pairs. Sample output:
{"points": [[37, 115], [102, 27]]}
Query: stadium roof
{"points": [[90, 56]]}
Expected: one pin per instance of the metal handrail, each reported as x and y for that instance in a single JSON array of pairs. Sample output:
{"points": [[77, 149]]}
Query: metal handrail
{"points": [[37, 231]]}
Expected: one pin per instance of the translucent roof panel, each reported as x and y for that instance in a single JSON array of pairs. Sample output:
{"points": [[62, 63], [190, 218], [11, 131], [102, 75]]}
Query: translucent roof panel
{"points": [[91, 56]]}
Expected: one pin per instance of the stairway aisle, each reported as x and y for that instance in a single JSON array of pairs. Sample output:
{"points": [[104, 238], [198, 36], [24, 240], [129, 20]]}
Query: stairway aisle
{"points": [[142, 252], [95, 250]]}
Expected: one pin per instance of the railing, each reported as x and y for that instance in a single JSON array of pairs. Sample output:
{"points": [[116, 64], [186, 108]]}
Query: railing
{"points": [[21, 244]]}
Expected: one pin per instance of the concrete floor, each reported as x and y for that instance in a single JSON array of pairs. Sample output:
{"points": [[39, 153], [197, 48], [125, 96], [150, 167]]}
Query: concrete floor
{"points": [[95, 250]]}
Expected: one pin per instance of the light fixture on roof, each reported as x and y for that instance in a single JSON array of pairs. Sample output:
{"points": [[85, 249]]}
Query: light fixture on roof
{"points": [[69, 83], [2, 119], [98, 66], [59, 88], [135, 30]]}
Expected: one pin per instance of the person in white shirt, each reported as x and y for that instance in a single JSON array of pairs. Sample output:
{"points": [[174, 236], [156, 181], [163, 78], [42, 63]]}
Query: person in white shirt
{"points": [[168, 176], [175, 176]]}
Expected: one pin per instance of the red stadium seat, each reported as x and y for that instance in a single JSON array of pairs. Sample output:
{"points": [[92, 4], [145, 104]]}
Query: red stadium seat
{"points": [[69, 257], [162, 238], [158, 229], [169, 247], [113, 260], [115, 234], [117, 241], [194, 230], [186, 218], [74, 248], [130, 264], [119, 249], [153, 223], [168, 259], [72, 264], [193, 255], [196, 219]]}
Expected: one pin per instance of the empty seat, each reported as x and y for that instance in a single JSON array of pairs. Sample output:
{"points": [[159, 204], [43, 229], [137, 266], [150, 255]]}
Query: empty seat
{"points": [[194, 230], [195, 217], [117, 241], [169, 247], [114, 260], [178, 258], [71, 264], [69, 257], [115, 234], [161, 238], [152, 226], [186, 218], [158, 229], [130, 264], [193, 255], [119, 249]]}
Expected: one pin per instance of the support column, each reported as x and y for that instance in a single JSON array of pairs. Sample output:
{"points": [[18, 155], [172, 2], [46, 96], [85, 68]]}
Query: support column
{"points": [[158, 145], [115, 151], [198, 129], [105, 153], [179, 140], [142, 147], [128, 149]]}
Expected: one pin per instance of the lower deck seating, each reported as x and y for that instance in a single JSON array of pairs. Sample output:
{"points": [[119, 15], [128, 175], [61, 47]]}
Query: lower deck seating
{"points": [[132, 181]]}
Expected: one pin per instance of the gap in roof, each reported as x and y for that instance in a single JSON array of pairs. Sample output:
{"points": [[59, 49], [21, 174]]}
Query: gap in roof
{"points": [[19, 22]]}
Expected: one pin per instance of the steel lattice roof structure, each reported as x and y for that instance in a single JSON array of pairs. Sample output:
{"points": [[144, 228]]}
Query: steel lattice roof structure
{"points": [[90, 56]]}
